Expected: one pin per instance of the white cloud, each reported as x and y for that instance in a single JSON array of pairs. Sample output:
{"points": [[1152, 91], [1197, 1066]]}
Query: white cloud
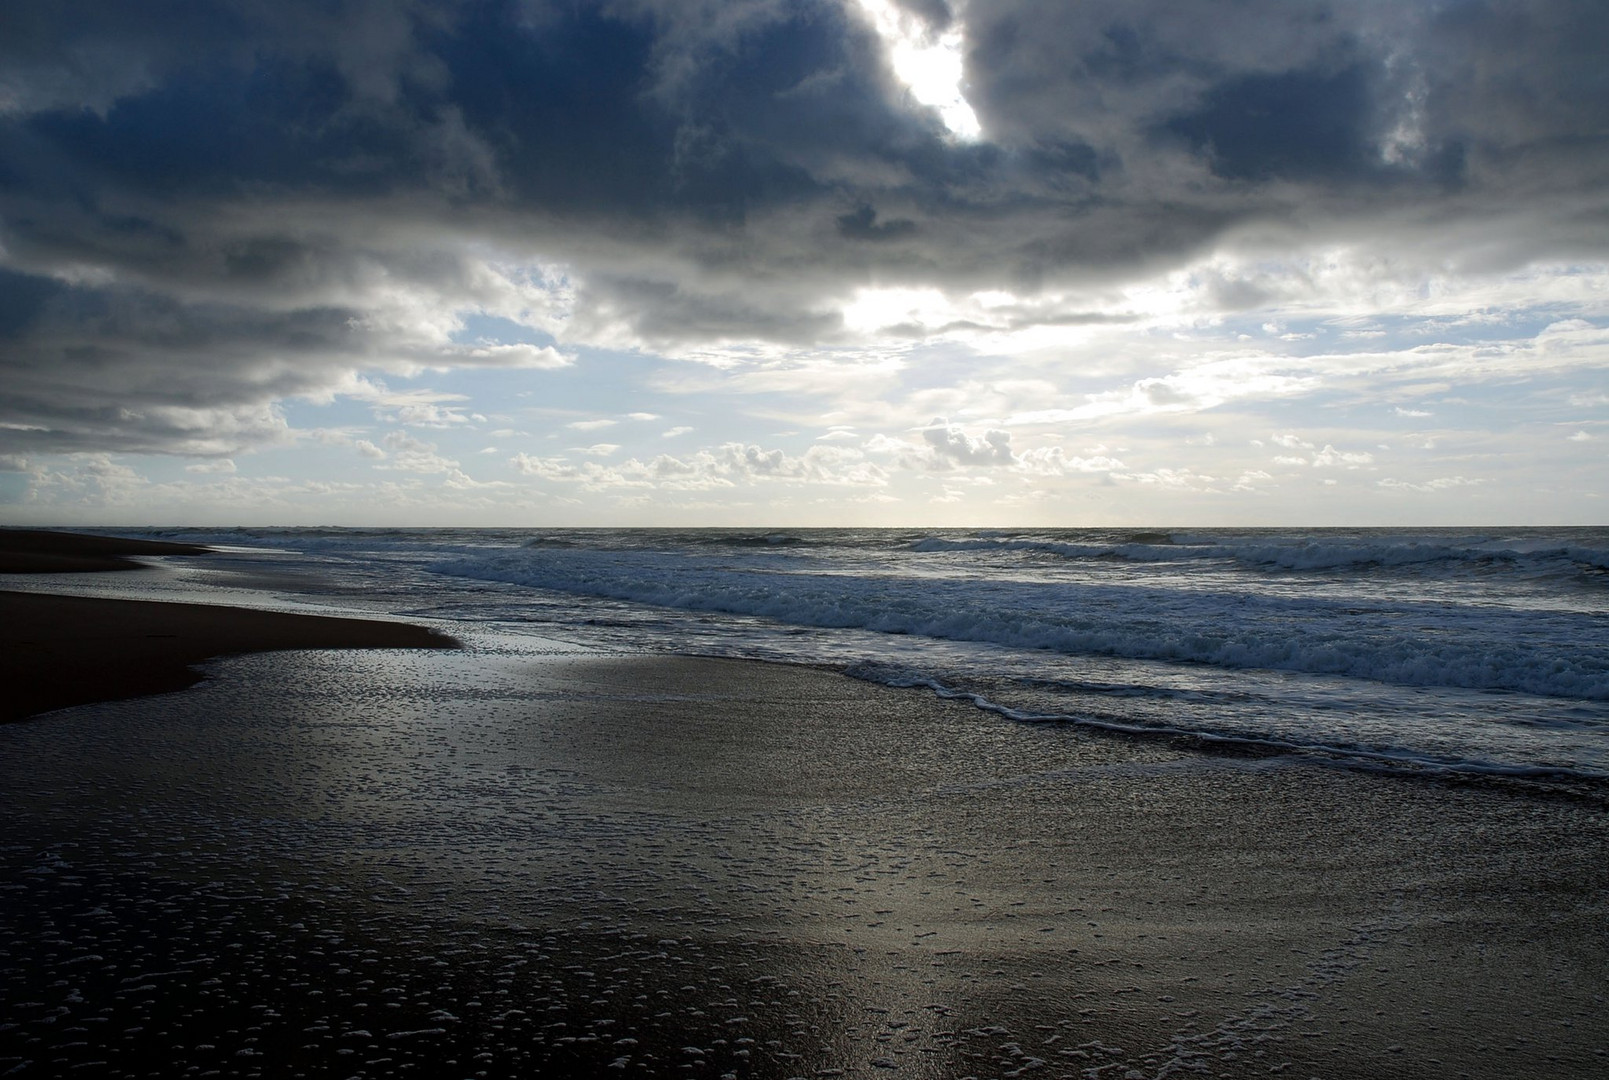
{"points": [[953, 446], [1204, 386], [88, 480], [1330, 457], [416, 408], [1053, 460], [222, 466], [540, 358], [458, 480], [1439, 484], [1249, 480], [1185, 479], [720, 467], [408, 454], [426, 415]]}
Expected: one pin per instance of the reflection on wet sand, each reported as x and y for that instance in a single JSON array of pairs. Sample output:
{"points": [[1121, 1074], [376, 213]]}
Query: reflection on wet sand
{"points": [[493, 863]]}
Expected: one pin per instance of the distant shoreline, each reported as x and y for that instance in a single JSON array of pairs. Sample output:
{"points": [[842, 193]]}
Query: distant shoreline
{"points": [[57, 651]]}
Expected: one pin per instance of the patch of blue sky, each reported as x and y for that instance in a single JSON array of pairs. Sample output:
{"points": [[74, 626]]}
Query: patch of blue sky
{"points": [[480, 329], [14, 488]]}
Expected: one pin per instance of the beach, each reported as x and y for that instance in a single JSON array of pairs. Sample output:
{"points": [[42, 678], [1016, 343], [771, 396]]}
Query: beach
{"points": [[529, 856], [347, 863]]}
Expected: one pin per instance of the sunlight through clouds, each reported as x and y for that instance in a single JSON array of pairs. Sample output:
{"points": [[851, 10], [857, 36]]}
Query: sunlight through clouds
{"points": [[929, 64], [878, 309]]}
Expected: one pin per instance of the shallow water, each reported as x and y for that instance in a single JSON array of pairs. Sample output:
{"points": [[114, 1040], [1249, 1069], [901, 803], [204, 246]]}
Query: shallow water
{"points": [[1429, 650]]}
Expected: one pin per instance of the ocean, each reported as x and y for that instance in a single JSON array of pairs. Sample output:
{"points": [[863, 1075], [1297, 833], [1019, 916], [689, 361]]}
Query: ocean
{"points": [[1431, 651]]}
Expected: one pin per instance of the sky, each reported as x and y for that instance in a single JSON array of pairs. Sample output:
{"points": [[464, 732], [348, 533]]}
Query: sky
{"points": [[998, 263]]}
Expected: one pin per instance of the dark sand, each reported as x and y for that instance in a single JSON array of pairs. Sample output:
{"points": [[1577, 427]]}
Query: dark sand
{"points": [[57, 651], [39, 551], [485, 864]]}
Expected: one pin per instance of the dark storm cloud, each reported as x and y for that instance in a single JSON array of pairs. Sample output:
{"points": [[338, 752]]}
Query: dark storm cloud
{"points": [[862, 224], [123, 369], [936, 15], [659, 310], [205, 207], [1297, 124]]}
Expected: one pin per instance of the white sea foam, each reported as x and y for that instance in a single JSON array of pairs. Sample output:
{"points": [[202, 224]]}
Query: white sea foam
{"points": [[1335, 751], [1299, 552], [1475, 647]]}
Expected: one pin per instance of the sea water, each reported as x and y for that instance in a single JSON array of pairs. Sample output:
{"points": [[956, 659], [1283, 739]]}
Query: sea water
{"points": [[1474, 651]]}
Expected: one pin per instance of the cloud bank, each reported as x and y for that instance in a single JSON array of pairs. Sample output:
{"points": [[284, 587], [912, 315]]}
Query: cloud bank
{"points": [[212, 211]]}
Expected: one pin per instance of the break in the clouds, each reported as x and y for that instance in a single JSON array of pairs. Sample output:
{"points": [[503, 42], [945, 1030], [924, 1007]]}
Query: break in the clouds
{"points": [[650, 261]]}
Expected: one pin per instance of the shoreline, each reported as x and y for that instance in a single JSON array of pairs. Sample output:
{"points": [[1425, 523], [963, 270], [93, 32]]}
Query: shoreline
{"points": [[60, 650]]}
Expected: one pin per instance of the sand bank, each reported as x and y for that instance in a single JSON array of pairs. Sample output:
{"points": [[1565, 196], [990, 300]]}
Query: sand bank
{"points": [[40, 551], [480, 863], [57, 651]]}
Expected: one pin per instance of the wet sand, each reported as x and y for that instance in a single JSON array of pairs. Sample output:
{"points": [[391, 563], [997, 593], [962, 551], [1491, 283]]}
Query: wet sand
{"points": [[492, 863]]}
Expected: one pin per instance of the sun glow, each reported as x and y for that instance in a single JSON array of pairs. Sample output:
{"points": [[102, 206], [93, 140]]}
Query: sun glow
{"points": [[930, 65], [913, 310]]}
